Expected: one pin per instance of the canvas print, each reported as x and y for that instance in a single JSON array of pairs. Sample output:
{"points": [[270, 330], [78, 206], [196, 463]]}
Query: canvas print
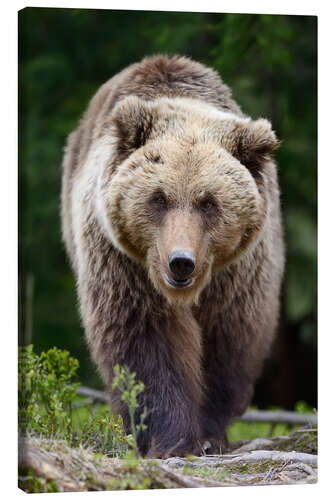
{"points": [[167, 250]]}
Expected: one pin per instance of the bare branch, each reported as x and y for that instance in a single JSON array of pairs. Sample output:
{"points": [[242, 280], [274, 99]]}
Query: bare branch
{"points": [[93, 394], [274, 417], [279, 416]]}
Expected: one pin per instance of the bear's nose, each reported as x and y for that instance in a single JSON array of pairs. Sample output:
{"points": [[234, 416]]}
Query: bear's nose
{"points": [[181, 263]]}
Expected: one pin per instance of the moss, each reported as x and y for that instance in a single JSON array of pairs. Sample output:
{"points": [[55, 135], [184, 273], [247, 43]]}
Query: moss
{"points": [[302, 442], [213, 473], [138, 474], [306, 443], [255, 468], [141, 480]]}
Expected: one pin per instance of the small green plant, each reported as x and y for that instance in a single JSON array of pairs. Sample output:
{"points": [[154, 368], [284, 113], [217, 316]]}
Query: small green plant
{"points": [[125, 381], [49, 405], [47, 386], [104, 433]]}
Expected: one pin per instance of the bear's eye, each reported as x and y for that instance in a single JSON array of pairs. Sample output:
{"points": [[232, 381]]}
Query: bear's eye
{"points": [[207, 206], [159, 201]]}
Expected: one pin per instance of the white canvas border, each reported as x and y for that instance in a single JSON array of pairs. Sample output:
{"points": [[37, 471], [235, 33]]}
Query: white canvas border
{"points": [[8, 248]]}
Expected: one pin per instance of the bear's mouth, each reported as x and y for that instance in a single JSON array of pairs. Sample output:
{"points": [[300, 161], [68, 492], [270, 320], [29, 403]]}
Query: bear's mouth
{"points": [[178, 283]]}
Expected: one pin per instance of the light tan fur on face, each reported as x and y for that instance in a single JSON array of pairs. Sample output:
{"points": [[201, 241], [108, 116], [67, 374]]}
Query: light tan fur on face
{"points": [[193, 144], [182, 230], [190, 168]]}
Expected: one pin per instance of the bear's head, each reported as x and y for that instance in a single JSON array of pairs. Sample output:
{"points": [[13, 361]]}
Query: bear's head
{"points": [[185, 190]]}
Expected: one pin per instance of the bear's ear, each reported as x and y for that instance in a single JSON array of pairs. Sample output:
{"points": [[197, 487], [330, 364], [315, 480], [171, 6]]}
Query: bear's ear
{"points": [[133, 119], [255, 143]]}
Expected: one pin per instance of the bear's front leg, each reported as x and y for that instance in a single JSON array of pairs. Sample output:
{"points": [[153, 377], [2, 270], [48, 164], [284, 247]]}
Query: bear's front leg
{"points": [[232, 359], [128, 323], [230, 370], [165, 355]]}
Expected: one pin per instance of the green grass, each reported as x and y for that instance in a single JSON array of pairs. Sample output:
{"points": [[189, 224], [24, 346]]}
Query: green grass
{"points": [[243, 430]]}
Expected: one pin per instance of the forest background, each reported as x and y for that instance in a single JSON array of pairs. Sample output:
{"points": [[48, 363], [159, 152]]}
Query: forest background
{"points": [[270, 63]]}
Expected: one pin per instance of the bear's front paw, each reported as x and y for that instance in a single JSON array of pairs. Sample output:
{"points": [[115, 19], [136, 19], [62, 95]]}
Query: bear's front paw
{"points": [[181, 449], [214, 445]]}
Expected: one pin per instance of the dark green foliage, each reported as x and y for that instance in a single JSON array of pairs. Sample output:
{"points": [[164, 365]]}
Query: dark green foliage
{"points": [[49, 406], [95, 427], [270, 63], [47, 389]]}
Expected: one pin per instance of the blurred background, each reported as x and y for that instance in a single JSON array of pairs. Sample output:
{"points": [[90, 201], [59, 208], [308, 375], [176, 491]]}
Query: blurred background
{"points": [[270, 63]]}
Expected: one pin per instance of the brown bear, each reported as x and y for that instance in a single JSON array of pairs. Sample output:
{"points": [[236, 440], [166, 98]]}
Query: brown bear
{"points": [[171, 219]]}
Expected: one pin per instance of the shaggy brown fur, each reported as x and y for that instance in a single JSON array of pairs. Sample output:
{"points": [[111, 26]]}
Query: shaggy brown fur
{"points": [[164, 161]]}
